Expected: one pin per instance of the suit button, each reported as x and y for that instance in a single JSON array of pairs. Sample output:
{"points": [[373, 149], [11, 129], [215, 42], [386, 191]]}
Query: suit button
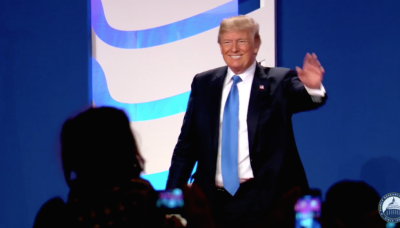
{"points": [[251, 160]]}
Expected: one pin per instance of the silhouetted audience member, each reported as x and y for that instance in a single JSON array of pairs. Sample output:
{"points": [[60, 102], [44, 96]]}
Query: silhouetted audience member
{"points": [[52, 214], [283, 214], [102, 165], [98, 147], [351, 204], [197, 209]]}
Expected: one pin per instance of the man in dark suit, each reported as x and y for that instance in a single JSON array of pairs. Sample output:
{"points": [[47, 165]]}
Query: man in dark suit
{"points": [[238, 128]]}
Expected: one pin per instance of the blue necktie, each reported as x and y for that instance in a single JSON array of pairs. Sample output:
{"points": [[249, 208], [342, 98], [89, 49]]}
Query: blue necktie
{"points": [[229, 146]]}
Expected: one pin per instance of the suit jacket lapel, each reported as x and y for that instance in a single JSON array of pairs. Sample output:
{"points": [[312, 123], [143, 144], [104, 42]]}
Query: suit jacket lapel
{"points": [[214, 106], [258, 99]]}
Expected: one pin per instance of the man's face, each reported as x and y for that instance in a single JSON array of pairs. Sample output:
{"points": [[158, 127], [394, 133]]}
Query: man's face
{"points": [[238, 49]]}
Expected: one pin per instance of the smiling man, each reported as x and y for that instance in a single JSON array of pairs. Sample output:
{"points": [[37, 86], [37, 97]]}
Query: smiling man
{"points": [[238, 128]]}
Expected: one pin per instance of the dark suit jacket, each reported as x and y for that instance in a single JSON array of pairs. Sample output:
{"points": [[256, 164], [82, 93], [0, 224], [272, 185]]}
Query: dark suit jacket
{"points": [[273, 154]]}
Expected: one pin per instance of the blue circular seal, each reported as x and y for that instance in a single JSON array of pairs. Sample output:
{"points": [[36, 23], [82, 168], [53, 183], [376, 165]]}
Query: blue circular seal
{"points": [[389, 207]]}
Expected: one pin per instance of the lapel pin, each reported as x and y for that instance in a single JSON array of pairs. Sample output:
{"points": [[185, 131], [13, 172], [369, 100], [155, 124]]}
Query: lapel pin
{"points": [[261, 86]]}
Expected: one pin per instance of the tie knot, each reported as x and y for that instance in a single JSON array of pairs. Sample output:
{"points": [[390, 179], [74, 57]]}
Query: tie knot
{"points": [[236, 79]]}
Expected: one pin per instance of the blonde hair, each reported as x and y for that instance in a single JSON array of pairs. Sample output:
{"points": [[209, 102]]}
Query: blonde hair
{"points": [[240, 23]]}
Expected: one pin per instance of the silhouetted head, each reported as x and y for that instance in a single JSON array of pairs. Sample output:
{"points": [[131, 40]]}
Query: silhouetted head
{"points": [[349, 202], [99, 147], [52, 214]]}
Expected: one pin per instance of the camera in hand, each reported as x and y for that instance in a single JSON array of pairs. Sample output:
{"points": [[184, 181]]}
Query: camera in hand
{"points": [[170, 201], [308, 210]]}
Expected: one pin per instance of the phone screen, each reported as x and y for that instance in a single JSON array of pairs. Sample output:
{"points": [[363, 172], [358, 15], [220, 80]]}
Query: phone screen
{"points": [[170, 201], [308, 209]]}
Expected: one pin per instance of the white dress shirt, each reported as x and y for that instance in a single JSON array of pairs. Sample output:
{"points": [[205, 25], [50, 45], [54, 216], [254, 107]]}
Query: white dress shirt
{"points": [[244, 88]]}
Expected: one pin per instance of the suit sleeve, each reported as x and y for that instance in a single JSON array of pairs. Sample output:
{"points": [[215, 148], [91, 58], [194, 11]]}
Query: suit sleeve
{"points": [[299, 99], [184, 158]]}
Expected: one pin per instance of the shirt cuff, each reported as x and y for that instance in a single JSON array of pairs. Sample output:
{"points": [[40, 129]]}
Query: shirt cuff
{"points": [[316, 92]]}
